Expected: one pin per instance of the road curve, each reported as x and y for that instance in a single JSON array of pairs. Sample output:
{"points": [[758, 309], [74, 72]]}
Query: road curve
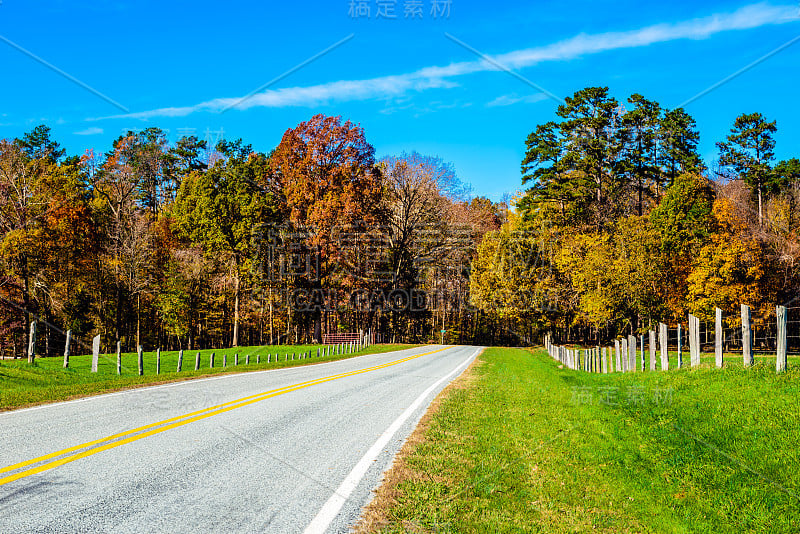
{"points": [[287, 450]]}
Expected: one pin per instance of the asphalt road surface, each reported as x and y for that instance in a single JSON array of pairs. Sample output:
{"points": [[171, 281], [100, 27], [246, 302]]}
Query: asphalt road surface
{"points": [[290, 450]]}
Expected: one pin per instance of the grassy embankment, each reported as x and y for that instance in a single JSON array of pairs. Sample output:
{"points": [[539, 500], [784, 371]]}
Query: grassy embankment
{"points": [[46, 381], [531, 447]]}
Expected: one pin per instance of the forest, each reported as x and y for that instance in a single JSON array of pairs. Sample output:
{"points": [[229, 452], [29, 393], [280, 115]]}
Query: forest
{"points": [[618, 224], [622, 225], [191, 246]]}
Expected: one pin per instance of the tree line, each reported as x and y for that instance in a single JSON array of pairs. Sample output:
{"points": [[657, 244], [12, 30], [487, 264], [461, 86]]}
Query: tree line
{"points": [[190, 246], [622, 225]]}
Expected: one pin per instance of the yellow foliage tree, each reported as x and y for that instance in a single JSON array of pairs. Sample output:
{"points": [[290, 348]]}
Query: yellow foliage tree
{"points": [[729, 270]]}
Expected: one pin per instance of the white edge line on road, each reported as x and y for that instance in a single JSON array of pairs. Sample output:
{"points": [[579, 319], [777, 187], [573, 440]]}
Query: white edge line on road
{"points": [[190, 381], [333, 506]]}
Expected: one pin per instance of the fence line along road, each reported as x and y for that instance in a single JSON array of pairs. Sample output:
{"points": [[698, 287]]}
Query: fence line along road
{"points": [[345, 345], [599, 359]]}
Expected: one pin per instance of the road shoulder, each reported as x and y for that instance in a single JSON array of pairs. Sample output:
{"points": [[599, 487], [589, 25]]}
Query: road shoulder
{"points": [[375, 516]]}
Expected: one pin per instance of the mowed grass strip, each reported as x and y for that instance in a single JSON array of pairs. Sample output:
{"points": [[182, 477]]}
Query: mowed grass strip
{"points": [[23, 385], [531, 447]]}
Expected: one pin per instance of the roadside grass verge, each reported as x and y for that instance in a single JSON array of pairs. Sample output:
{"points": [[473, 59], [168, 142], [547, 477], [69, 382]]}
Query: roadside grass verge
{"points": [[530, 447], [23, 385]]}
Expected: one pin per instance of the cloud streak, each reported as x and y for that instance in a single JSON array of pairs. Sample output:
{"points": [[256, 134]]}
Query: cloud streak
{"points": [[90, 131], [441, 77], [510, 100]]}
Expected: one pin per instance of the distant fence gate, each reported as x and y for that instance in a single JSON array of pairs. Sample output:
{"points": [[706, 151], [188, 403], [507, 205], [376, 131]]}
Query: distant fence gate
{"points": [[343, 337]]}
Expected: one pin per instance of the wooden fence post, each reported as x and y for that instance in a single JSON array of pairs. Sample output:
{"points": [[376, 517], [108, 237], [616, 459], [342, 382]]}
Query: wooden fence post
{"points": [[697, 341], [247, 359], [141, 360], [780, 363], [631, 353], [663, 332], [180, 360], [641, 352], [747, 337], [680, 345], [616, 354], [158, 361], [225, 360], [95, 352], [211, 361], [718, 337], [624, 353], [197, 361], [694, 341], [652, 340], [32, 343], [236, 359], [119, 358], [66, 349]]}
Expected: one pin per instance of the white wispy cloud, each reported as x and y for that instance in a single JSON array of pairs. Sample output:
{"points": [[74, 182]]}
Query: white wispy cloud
{"points": [[440, 77], [513, 98], [90, 131]]}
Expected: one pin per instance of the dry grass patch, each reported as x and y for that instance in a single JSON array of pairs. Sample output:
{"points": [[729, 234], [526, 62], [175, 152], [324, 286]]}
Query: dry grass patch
{"points": [[375, 516]]}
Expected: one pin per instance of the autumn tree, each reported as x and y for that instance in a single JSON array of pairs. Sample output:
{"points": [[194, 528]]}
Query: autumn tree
{"points": [[326, 169], [514, 281], [23, 205], [731, 269], [118, 191]]}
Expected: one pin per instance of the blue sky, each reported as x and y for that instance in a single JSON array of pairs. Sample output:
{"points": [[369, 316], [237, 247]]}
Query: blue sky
{"points": [[179, 64]]}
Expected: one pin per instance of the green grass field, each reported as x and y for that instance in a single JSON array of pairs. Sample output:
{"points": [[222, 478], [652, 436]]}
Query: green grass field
{"points": [[22, 384], [531, 447]]}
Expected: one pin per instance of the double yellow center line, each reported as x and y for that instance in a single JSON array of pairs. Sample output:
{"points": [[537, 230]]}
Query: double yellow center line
{"points": [[64, 456]]}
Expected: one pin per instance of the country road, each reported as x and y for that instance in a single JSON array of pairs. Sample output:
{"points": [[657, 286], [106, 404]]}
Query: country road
{"points": [[289, 450]]}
